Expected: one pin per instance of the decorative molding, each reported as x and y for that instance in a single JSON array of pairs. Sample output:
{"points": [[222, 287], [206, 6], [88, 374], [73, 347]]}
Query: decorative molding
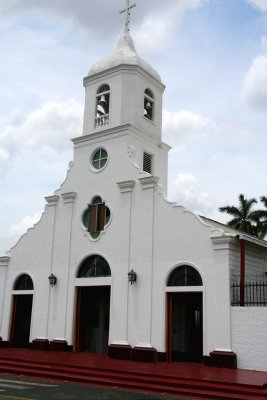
{"points": [[69, 197], [131, 152], [126, 186], [117, 131], [4, 261], [216, 232], [222, 242], [119, 69], [149, 182], [66, 178], [52, 200]]}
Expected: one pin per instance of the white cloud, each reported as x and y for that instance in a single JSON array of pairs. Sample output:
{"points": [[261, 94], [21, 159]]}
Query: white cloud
{"points": [[16, 230], [157, 30], [254, 91], [259, 4], [182, 127], [264, 43], [4, 159], [154, 26], [184, 189], [45, 130]]}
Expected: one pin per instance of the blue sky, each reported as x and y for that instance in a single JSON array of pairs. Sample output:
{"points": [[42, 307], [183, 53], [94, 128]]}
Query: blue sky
{"points": [[212, 56]]}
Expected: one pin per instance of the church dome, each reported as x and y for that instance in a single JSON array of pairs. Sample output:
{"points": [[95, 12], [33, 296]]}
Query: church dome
{"points": [[125, 54]]}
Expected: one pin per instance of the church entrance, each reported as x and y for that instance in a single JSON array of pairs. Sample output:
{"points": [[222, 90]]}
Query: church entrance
{"points": [[92, 319], [21, 320], [185, 327], [184, 315]]}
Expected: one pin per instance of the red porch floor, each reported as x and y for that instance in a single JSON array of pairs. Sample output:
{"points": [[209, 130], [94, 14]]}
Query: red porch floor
{"points": [[177, 379]]}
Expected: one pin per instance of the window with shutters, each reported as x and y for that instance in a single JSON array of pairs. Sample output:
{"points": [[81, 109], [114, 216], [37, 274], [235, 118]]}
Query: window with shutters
{"points": [[96, 217], [147, 162], [149, 105]]}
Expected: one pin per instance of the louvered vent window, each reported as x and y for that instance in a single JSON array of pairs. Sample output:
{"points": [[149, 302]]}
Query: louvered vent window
{"points": [[147, 163]]}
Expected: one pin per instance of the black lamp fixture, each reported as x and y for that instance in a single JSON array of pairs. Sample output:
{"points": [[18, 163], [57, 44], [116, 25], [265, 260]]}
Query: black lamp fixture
{"points": [[52, 280], [132, 276]]}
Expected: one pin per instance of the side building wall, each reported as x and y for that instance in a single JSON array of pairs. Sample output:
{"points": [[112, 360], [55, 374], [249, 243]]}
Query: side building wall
{"points": [[255, 262], [249, 325]]}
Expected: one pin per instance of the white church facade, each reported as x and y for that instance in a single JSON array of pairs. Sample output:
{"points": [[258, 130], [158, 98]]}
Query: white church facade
{"points": [[131, 274]]}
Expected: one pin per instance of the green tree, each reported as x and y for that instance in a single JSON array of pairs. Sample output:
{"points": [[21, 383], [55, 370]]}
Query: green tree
{"points": [[264, 201], [244, 217], [260, 218]]}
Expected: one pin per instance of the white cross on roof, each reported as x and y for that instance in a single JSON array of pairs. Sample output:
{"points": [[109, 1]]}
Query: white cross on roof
{"points": [[127, 11]]}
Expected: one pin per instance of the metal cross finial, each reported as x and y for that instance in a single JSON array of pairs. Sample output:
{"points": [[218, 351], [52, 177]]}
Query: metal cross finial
{"points": [[127, 11]]}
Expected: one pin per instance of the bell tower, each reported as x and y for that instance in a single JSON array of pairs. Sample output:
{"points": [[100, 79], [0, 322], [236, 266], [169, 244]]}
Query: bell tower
{"points": [[123, 96], [123, 89]]}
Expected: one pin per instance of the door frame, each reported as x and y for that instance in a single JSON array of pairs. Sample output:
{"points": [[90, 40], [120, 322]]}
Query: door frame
{"points": [[13, 313], [170, 291], [88, 283]]}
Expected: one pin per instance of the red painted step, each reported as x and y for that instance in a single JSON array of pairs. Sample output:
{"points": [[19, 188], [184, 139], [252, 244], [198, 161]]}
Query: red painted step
{"points": [[177, 379], [133, 380]]}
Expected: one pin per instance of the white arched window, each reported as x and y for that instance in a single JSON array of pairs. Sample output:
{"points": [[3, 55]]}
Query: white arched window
{"points": [[185, 275], [94, 266]]}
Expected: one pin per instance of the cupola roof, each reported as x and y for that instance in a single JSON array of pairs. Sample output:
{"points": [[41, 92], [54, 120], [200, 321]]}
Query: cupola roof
{"points": [[125, 54]]}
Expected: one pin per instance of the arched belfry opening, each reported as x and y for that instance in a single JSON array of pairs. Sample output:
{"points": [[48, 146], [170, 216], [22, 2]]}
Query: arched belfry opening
{"points": [[102, 105], [22, 299], [93, 288], [149, 105], [184, 315]]}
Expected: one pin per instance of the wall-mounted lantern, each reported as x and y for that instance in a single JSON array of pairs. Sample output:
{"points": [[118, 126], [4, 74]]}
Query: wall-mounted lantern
{"points": [[52, 280], [132, 276]]}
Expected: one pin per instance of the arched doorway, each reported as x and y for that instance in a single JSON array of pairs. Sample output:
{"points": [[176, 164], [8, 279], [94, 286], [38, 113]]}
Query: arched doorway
{"points": [[185, 315], [92, 306], [21, 311]]}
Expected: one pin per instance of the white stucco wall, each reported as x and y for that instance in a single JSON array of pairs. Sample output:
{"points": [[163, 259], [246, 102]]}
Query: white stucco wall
{"points": [[249, 335]]}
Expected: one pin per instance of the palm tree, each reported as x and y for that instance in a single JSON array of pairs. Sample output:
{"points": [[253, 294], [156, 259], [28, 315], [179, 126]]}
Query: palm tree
{"points": [[264, 201], [244, 217], [261, 218]]}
